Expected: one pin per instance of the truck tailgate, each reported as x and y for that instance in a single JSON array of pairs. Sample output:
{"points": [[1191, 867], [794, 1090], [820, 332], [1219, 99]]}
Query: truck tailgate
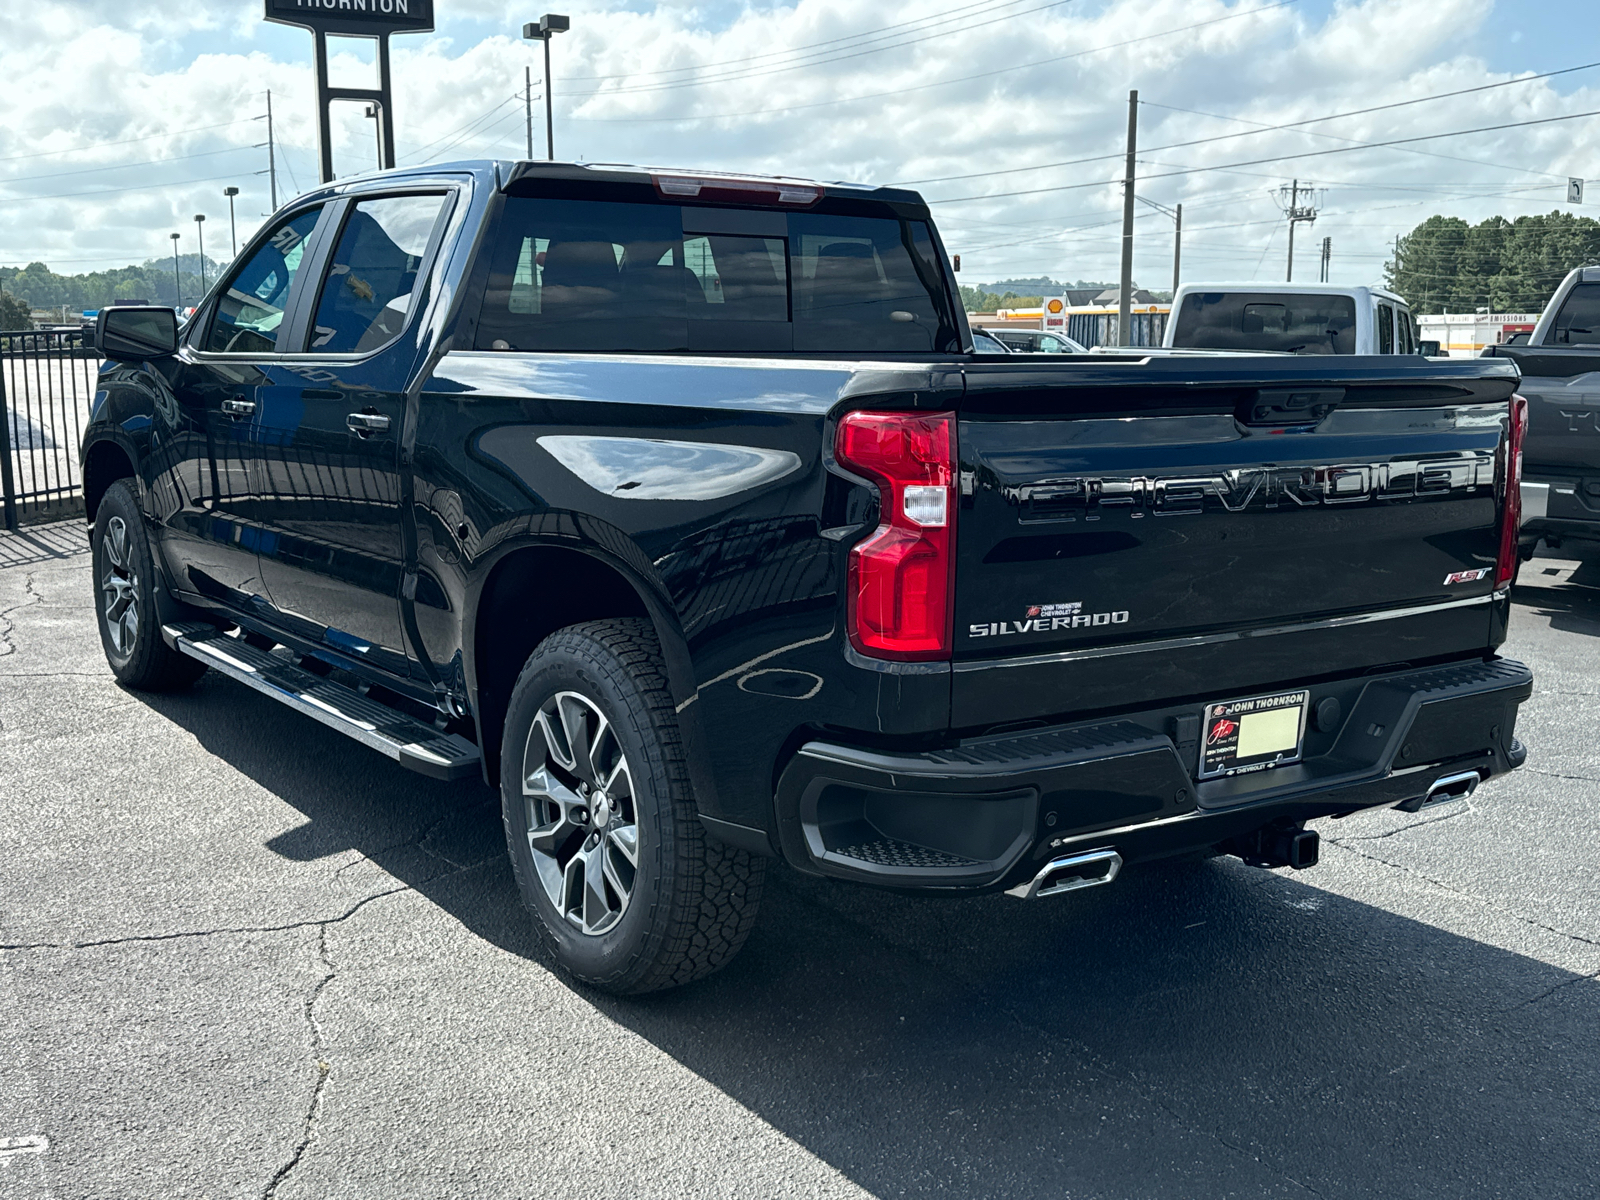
{"points": [[1562, 385], [1180, 528]]}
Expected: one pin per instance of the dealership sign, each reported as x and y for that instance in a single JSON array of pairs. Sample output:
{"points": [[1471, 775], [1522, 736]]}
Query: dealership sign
{"points": [[356, 17]]}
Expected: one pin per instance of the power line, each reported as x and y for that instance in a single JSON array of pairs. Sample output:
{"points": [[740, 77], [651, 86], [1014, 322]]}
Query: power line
{"points": [[489, 112], [1222, 137], [121, 166], [1042, 62], [817, 60], [138, 187], [1255, 162], [867, 35], [126, 141]]}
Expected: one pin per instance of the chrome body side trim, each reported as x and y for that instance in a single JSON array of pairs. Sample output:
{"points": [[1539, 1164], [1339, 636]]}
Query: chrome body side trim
{"points": [[1209, 639]]}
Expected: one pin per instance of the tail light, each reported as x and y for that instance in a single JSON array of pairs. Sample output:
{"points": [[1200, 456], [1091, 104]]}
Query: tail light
{"points": [[1506, 566], [902, 577]]}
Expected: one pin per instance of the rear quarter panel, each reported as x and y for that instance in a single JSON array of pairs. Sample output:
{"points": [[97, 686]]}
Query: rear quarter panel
{"points": [[706, 482]]}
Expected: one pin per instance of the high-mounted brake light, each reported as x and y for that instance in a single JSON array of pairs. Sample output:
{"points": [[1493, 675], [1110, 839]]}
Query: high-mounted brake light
{"points": [[1506, 565], [712, 188], [902, 577]]}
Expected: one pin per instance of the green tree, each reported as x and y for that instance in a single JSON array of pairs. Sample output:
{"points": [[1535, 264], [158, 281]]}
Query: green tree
{"points": [[13, 313], [1446, 265]]}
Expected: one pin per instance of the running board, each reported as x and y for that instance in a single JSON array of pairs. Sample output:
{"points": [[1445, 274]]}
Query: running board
{"points": [[413, 744]]}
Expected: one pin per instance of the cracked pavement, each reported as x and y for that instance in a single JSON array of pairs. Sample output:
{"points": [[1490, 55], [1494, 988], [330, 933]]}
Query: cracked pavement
{"points": [[242, 956]]}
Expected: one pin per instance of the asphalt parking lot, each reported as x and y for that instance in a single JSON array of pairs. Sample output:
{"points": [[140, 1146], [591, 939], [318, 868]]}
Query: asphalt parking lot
{"points": [[241, 956]]}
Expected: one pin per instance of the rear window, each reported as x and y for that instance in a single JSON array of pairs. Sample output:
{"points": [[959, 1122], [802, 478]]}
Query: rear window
{"points": [[1288, 322], [603, 275], [1578, 322]]}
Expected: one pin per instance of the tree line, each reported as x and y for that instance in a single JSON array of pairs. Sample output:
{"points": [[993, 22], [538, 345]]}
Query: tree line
{"points": [[1447, 265], [37, 286]]}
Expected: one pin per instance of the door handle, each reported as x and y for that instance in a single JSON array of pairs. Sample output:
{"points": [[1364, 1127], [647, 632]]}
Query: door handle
{"points": [[366, 424], [238, 407]]}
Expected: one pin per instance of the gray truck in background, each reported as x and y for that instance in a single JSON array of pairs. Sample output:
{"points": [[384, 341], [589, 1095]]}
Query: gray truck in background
{"points": [[1560, 367]]}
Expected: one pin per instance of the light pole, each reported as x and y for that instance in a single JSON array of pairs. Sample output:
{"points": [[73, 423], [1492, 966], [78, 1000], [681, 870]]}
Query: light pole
{"points": [[1177, 237], [177, 282], [233, 229], [549, 25], [200, 232]]}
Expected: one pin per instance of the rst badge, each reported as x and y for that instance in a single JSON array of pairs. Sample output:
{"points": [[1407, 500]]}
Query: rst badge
{"points": [[1465, 576]]}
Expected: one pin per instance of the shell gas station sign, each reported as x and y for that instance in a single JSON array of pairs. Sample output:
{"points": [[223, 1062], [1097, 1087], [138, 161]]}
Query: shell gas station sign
{"points": [[1054, 315]]}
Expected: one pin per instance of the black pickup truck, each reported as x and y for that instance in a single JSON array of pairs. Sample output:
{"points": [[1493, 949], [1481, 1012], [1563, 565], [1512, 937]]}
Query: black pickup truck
{"points": [[680, 507]]}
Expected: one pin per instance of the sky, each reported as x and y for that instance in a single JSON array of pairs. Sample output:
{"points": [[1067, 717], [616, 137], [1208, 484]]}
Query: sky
{"points": [[124, 118]]}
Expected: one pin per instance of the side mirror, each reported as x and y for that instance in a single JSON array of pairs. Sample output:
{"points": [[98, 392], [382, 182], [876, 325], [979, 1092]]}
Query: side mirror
{"points": [[130, 334], [1428, 349]]}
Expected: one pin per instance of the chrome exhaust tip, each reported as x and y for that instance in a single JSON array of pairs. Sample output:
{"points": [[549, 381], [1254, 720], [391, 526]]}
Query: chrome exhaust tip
{"points": [[1444, 790], [1089, 869]]}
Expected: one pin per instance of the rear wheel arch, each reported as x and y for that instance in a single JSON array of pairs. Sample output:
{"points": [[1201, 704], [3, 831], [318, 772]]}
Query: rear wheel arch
{"points": [[532, 591], [104, 462]]}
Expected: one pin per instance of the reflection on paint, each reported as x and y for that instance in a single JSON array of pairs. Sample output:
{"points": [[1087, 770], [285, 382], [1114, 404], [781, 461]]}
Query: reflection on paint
{"points": [[655, 469]]}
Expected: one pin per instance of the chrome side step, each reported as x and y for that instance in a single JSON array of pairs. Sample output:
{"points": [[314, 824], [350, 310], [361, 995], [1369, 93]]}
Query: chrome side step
{"points": [[413, 744], [1089, 869]]}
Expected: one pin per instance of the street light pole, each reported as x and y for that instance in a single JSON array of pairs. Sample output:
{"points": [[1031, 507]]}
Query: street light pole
{"points": [[548, 26], [177, 281], [233, 228], [200, 232]]}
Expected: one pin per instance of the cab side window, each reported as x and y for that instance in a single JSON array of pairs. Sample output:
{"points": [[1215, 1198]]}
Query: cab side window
{"points": [[1385, 329], [252, 305], [372, 281]]}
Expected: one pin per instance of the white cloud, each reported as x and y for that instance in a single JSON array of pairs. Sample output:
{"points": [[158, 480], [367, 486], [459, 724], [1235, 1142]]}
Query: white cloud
{"points": [[148, 68]]}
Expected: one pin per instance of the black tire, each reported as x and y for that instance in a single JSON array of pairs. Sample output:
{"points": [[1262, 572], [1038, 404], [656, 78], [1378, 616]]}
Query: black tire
{"points": [[125, 582], [688, 902]]}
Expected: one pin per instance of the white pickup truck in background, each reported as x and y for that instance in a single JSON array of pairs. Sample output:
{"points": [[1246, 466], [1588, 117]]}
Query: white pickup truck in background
{"points": [[1290, 318]]}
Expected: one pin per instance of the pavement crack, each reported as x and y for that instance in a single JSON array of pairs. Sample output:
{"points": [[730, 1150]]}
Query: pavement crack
{"points": [[1466, 895], [319, 1056], [8, 627], [1373, 837], [1560, 775], [237, 929], [1591, 977]]}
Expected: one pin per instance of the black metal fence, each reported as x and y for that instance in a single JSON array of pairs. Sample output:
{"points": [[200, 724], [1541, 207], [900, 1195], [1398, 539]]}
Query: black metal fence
{"points": [[47, 380]]}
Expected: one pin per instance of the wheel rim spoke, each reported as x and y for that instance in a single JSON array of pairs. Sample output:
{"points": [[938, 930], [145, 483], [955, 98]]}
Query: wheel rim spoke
{"points": [[582, 824], [119, 588]]}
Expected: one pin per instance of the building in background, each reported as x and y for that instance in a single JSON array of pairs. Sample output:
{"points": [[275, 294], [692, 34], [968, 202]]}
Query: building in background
{"points": [[1464, 335]]}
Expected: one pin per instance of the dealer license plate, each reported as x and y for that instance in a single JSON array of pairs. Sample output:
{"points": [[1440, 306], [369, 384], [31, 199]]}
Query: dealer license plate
{"points": [[1252, 735]]}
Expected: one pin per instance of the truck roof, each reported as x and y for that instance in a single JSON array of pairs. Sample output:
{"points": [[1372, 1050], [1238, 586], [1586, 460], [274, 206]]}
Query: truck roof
{"points": [[1320, 289], [507, 173]]}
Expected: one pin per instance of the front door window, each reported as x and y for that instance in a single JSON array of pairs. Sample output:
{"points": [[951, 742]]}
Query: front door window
{"points": [[252, 305]]}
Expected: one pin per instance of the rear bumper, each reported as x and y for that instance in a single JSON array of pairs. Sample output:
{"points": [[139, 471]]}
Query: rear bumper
{"points": [[1559, 507], [985, 814]]}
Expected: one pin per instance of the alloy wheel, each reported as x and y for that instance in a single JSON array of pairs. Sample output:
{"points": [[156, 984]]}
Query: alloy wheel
{"points": [[119, 588], [582, 817]]}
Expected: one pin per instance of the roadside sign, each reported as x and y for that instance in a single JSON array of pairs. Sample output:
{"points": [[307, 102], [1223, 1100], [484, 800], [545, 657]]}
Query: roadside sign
{"points": [[1574, 190], [358, 17]]}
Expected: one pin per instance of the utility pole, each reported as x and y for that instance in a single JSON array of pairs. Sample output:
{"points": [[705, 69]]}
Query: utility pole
{"points": [[177, 282], [1296, 212], [1327, 259], [1177, 236], [527, 100], [1125, 286], [272, 156], [1177, 252]]}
